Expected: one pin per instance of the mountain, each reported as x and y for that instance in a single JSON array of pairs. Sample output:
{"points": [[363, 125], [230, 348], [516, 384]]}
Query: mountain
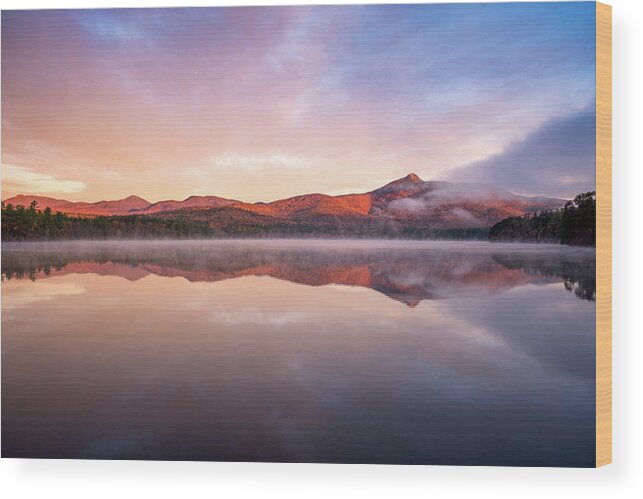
{"points": [[128, 206], [405, 205], [452, 205], [120, 207], [409, 203], [189, 203]]}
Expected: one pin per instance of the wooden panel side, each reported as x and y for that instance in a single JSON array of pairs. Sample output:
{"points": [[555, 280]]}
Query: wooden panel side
{"points": [[603, 234]]}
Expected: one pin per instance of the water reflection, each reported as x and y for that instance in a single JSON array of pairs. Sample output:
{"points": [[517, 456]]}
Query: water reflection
{"points": [[408, 275], [299, 351]]}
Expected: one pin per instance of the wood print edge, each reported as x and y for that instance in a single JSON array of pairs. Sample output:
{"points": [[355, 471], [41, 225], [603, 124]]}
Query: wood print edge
{"points": [[603, 234]]}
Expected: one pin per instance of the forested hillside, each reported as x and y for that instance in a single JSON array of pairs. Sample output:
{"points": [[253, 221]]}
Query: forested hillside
{"points": [[574, 224], [24, 224], [29, 224]]}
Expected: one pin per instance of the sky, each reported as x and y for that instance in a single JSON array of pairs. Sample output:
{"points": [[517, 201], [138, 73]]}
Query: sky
{"points": [[262, 103]]}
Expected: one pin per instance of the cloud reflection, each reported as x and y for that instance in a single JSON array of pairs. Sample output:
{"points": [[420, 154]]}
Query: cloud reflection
{"points": [[282, 351]]}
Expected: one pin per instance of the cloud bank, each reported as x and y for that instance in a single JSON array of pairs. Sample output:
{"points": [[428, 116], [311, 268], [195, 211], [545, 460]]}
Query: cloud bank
{"points": [[558, 158]]}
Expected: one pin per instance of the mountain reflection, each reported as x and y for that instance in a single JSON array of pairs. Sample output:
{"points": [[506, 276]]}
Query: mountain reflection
{"points": [[408, 274]]}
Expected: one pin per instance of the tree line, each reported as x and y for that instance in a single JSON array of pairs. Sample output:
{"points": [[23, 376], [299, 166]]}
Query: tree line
{"points": [[21, 223], [31, 224], [573, 224]]}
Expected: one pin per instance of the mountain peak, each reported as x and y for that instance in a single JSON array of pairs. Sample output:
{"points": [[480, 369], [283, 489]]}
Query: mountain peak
{"points": [[134, 197], [409, 184], [412, 177]]}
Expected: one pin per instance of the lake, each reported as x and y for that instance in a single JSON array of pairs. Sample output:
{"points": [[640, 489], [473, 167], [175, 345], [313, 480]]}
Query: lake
{"points": [[403, 352]]}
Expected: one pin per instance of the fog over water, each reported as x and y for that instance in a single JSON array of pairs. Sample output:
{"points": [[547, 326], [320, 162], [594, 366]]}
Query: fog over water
{"points": [[299, 350]]}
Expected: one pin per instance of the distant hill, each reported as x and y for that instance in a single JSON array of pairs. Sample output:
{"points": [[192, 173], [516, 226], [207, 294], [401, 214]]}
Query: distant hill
{"points": [[406, 205], [120, 207], [190, 203], [132, 205]]}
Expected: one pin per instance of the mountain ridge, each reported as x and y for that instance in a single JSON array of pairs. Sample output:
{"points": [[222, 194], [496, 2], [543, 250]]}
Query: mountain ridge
{"points": [[409, 201]]}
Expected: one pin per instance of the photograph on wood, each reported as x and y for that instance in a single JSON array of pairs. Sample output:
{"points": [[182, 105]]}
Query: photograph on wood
{"points": [[332, 234]]}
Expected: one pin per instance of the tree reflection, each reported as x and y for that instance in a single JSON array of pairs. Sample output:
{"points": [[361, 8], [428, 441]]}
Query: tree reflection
{"points": [[408, 275]]}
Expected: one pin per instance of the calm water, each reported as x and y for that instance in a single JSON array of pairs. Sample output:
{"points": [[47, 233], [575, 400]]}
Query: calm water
{"points": [[352, 352]]}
